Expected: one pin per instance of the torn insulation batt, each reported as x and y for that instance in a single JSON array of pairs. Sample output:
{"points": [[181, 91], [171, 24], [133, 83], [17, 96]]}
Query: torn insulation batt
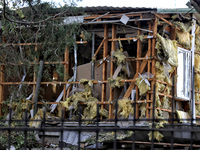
{"points": [[183, 35], [119, 57], [117, 82], [125, 108], [85, 97], [142, 86], [167, 50]]}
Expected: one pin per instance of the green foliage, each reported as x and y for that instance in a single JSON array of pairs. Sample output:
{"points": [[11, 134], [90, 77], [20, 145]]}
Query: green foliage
{"points": [[17, 139], [41, 23]]}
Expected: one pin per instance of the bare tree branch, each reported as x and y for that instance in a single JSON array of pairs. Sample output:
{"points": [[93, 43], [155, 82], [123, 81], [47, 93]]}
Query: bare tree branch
{"points": [[28, 22]]}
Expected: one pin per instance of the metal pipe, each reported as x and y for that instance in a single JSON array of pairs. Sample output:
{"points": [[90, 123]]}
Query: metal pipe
{"points": [[93, 47], [192, 76], [75, 60]]}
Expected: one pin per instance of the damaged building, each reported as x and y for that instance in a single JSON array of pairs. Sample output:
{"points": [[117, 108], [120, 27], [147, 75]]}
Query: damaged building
{"points": [[140, 65]]}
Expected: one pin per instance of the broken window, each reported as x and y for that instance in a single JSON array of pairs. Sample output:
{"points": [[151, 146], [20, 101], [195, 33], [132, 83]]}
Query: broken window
{"points": [[183, 72]]}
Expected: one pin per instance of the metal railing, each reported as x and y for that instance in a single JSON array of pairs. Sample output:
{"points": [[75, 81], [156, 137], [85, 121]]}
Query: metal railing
{"points": [[175, 135]]}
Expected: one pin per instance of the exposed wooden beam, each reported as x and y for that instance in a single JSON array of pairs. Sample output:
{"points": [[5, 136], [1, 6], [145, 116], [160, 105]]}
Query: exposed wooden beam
{"points": [[98, 49], [163, 19], [113, 48], [149, 70], [104, 74], [66, 70], [153, 66]]}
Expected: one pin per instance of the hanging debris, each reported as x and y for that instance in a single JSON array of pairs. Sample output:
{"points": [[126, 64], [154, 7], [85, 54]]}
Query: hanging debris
{"points": [[117, 82], [183, 35], [86, 97], [160, 124], [143, 84], [184, 27], [125, 108], [184, 39], [142, 108], [167, 50], [119, 57], [90, 112]]}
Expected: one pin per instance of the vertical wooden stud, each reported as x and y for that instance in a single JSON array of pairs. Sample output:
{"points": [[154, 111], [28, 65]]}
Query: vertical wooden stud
{"points": [[113, 48], [139, 49], [153, 61], [148, 70], [66, 70], [105, 53]]}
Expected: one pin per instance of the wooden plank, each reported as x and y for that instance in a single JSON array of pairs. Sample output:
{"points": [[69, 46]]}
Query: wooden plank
{"points": [[66, 70], [98, 49], [153, 67], [20, 44], [57, 82], [34, 63], [173, 33], [117, 71], [34, 44], [118, 15], [148, 70], [102, 61], [161, 143], [160, 17], [139, 53], [104, 74], [113, 48], [125, 39], [139, 59]]}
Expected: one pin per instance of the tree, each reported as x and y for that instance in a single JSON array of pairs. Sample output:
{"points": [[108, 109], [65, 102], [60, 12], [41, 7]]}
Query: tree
{"points": [[37, 23], [40, 23]]}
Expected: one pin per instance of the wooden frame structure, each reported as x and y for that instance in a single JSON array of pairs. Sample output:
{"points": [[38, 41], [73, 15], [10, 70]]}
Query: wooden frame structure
{"points": [[144, 63]]}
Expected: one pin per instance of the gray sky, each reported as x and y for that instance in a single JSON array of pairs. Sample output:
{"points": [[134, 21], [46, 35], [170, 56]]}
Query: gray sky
{"points": [[130, 3], [136, 3]]}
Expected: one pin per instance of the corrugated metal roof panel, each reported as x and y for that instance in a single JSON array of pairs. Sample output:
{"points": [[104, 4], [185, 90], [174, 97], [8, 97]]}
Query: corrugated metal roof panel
{"points": [[177, 10]]}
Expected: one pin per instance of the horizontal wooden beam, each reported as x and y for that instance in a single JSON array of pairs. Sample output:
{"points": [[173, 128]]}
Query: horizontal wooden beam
{"points": [[29, 44], [61, 83], [136, 38], [160, 143], [117, 15], [46, 63]]}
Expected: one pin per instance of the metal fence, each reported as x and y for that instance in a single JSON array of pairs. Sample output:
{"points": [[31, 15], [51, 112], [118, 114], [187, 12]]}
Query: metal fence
{"points": [[176, 136]]}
